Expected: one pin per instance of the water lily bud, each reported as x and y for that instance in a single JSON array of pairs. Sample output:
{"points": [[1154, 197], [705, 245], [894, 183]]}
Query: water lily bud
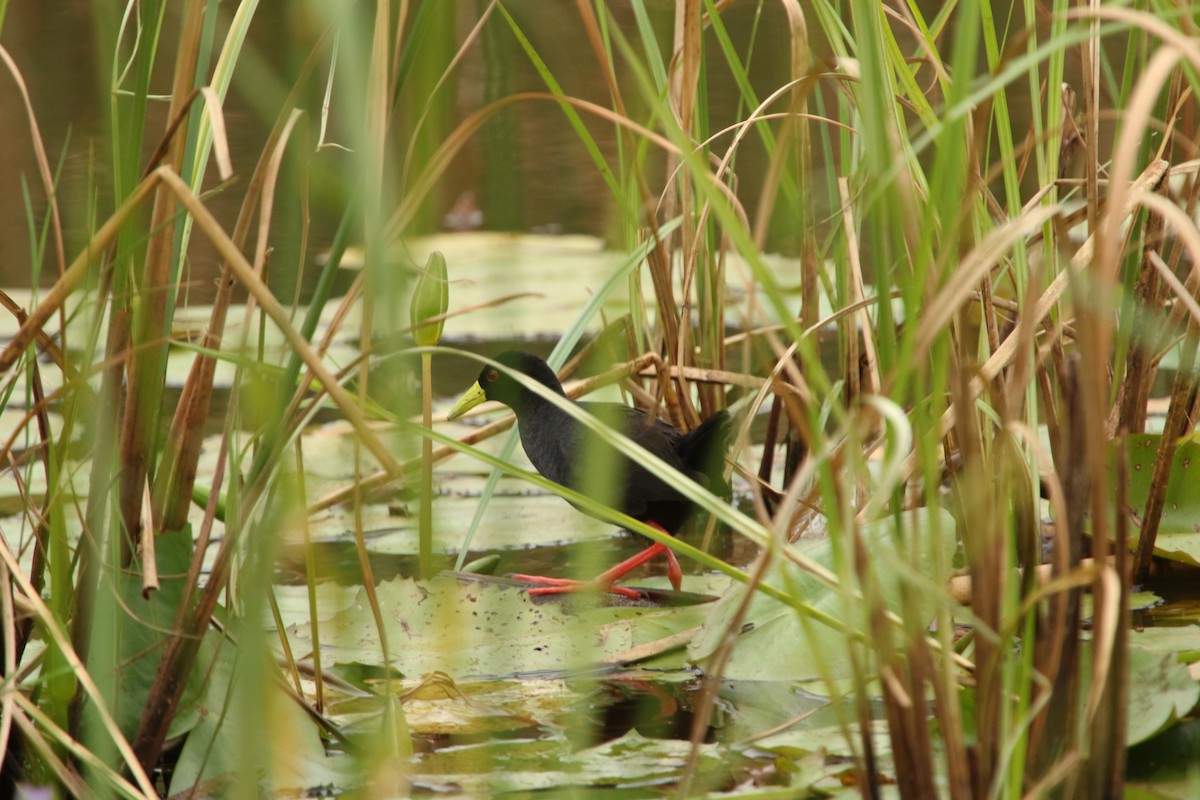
{"points": [[430, 298]]}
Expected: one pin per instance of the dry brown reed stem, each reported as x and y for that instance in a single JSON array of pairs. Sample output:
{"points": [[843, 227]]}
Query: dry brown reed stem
{"points": [[1057, 649], [8, 630], [1175, 426], [595, 37], [60, 639], [706, 697], [726, 378], [959, 589], [1147, 182], [45, 343], [57, 294], [143, 391], [180, 650], [278, 314], [679, 407], [675, 324], [176, 474], [1129, 412], [1118, 713]]}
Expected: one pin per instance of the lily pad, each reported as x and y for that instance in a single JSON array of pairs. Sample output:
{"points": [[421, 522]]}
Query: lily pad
{"points": [[475, 630], [1178, 536], [630, 762], [781, 643], [1183, 641], [1160, 693]]}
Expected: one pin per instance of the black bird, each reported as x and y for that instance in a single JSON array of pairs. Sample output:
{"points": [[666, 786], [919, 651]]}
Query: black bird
{"points": [[562, 449]]}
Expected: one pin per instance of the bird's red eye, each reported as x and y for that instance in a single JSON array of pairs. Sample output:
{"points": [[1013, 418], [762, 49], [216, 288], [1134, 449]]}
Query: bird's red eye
{"points": [[493, 376]]}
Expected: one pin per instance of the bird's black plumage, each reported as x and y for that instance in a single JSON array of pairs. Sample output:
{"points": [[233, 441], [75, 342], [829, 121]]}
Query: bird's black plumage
{"points": [[564, 450]]}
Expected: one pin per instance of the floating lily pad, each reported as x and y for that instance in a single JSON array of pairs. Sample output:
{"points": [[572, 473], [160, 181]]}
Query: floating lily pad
{"points": [[780, 643], [1178, 536], [474, 630], [1160, 693], [1181, 640]]}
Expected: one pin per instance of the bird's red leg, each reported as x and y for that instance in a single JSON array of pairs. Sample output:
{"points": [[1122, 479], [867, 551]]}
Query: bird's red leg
{"points": [[605, 580], [674, 573]]}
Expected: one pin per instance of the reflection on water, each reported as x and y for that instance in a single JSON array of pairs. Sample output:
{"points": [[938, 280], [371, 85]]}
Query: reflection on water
{"points": [[526, 169]]}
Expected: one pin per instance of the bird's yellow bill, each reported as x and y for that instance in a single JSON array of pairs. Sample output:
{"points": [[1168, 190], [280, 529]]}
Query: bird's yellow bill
{"points": [[473, 397]]}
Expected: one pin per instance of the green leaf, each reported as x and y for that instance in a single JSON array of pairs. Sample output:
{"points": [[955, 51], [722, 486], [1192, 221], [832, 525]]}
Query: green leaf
{"points": [[782, 644], [1178, 536], [1160, 693], [477, 630], [142, 627]]}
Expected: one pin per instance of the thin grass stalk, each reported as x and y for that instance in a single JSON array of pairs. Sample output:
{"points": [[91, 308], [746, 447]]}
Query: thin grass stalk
{"points": [[425, 534], [1112, 778], [310, 580], [62, 596], [60, 639], [1148, 181], [272, 449], [687, 50], [31, 721], [177, 472], [10, 743], [1054, 733], [982, 542], [47, 527], [144, 393], [706, 699], [192, 620], [1177, 424]]}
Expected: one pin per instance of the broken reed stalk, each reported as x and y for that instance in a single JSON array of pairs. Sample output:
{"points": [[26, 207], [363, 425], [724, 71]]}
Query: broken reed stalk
{"points": [[1175, 426]]}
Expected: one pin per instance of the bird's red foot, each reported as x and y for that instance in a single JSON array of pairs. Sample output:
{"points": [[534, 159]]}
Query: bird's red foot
{"points": [[606, 580], [565, 585]]}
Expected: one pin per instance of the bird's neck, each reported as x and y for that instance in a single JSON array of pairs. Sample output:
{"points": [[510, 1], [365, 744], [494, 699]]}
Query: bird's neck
{"points": [[540, 423], [532, 405]]}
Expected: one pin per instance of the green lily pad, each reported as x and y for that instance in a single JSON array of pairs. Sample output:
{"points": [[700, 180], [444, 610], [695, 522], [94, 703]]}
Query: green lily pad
{"points": [[1183, 641], [780, 643], [476, 630], [1161, 692], [1178, 536]]}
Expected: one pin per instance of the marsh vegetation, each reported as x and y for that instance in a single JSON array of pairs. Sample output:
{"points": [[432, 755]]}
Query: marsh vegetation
{"points": [[938, 261]]}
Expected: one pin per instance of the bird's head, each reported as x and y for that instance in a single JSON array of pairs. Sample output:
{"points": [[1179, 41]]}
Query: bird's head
{"points": [[498, 384]]}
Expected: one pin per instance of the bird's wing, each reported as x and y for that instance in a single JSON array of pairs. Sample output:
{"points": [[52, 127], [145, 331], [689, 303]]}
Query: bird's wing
{"points": [[642, 489]]}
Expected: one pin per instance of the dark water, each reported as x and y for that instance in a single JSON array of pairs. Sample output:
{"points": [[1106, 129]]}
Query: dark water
{"points": [[526, 170]]}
